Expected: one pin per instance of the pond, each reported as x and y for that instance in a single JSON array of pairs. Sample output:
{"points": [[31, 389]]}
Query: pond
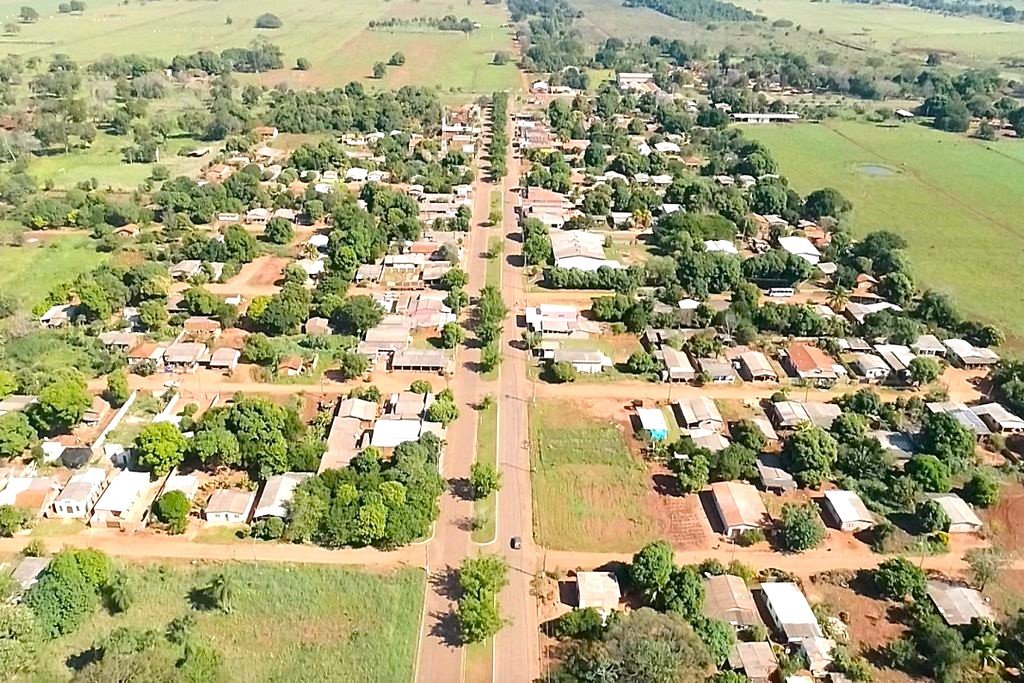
{"points": [[877, 170]]}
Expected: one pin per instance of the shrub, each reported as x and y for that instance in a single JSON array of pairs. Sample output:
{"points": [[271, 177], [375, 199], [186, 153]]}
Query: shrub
{"points": [[749, 537], [897, 578], [12, 520], [800, 528], [303, 64], [269, 20], [172, 509], [268, 529]]}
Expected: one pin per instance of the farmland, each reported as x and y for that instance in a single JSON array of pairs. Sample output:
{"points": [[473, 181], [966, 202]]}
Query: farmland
{"points": [[295, 623], [589, 492], [953, 199], [334, 37]]}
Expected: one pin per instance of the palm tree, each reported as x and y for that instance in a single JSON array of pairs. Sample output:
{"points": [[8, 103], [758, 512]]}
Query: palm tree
{"points": [[642, 218], [838, 297], [119, 593]]}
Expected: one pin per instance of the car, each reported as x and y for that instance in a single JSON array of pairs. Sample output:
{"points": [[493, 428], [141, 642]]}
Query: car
{"points": [[516, 543]]}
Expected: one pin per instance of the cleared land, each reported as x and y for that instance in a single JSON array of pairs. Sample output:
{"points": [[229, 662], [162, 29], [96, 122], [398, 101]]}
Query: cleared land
{"points": [[333, 36], [290, 623], [589, 493], [956, 201], [29, 272]]}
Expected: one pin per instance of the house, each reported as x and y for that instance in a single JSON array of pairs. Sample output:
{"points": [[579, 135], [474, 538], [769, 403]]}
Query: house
{"points": [[652, 422], [765, 117], [580, 250], [291, 366], [586, 362], [559, 320], [699, 413], [929, 345], [225, 359], [757, 368], [802, 247], [897, 357], [186, 484], [706, 438], [599, 590], [721, 246], [967, 418], [77, 498], [420, 360], [739, 507], [343, 441], [727, 598], [277, 491], [677, 365], [265, 133], [822, 414], [857, 312], [962, 519], [643, 82], [999, 419], [756, 661], [848, 511], [773, 476], [201, 328], [229, 506], [717, 370], [58, 316], [26, 574], [118, 507], [818, 653], [317, 327], [183, 270], [119, 340], [258, 216], [386, 338], [185, 355], [16, 403], [810, 364], [958, 605], [31, 494], [897, 444], [789, 612], [409, 405], [389, 432], [969, 356], [358, 409], [871, 367]]}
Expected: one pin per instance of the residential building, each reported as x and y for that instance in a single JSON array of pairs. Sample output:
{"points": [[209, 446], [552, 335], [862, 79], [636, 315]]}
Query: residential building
{"points": [[756, 661], [848, 511], [757, 367], [201, 328], [121, 505], [958, 605], [739, 507], [225, 358], [727, 598], [929, 345], [652, 422], [389, 432], [967, 355], [871, 367], [580, 250], [77, 498], [277, 492], [699, 413], [599, 590], [962, 519], [229, 506], [810, 364], [408, 405], [967, 418], [789, 611], [677, 365], [31, 494], [999, 419], [772, 474], [717, 370], [802, 247], [586, 362], [559, 321], [417, 360]]}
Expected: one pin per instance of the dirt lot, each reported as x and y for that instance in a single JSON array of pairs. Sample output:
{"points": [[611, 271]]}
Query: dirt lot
{"points": [[1003, 521], [254, 278]]}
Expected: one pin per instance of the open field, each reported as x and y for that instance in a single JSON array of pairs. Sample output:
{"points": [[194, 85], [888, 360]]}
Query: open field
{"points": [[30, 272], [290, 623], [104, 162], [333, 36], [487, 453], [955, 200], [588, 491]]}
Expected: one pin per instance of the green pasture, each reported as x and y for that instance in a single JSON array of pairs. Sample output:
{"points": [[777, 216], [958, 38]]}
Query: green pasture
{"points": [[957, 202], [30, 271]]}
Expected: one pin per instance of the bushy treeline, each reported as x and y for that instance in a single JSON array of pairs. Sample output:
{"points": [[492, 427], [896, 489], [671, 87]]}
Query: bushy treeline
{"points": [[353, 108], [697, 10]]}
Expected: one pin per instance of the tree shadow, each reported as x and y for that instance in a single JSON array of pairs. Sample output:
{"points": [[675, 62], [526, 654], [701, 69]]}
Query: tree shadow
{"points": [[445, 582], [667, 485], [461, 488], [515, 260], [201, 599], [79, 661], [446, 628]]}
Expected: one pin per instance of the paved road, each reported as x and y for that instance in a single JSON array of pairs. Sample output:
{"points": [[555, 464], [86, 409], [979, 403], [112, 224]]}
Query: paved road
{"points": [[517, 649], [440, 655]]}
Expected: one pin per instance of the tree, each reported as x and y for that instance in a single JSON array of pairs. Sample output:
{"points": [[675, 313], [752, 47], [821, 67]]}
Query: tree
{"points": [[981, 490], [67, 591], [379, 69], [397, 59], [580, 624], [480, 579], [651, 569], [800, 528], [931, 517], [692, 472], [484, 479], [220, 592], [563, 371], [119, 593], [303, 64], [160, 447], [153, 315], [19, 641], [268, 21], [810, 454], [173, 509], [12, 520], [421, 386], [279, 231], [357, 314], [930, 473], [61, 404], [948, 440], [117, 388], [747, 434], [923, 370], [986, 564], [825, 202], [214, 446], [443, 409], [898, 578], [683, 593], [490, 357], [16, 434], [452, 335], [500, 58], [352, 365]]}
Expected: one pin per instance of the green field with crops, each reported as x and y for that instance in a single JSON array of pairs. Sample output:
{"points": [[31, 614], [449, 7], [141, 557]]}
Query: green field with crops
{"points": [[957, 202]]}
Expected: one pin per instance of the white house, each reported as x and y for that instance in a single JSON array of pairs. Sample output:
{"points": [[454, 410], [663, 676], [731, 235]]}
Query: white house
{"points": [[115, 507], [790, 612], [229, 506], [76, 499], [277, 491]]}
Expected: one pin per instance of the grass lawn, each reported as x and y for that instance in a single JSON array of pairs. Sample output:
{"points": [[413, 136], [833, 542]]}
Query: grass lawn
{"points": [[222, 534], [29, 272], [290, 622], [334, 37], [486, 452], [957, 202], [104, 162], [588, 491], [479, 662], [493, 275]]}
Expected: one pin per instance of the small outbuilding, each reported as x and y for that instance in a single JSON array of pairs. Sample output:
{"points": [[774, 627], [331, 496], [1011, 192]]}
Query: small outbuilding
{"points": [[727, 598], [756, 661], [848, 511], [229, 506], [599, 590], [652, 423], [962, 519], [739, 507], [958, 605]]}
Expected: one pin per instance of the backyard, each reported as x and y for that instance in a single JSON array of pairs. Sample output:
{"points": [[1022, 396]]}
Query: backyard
{"points": [[289, 622], [589, 492], [955, 200]]}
